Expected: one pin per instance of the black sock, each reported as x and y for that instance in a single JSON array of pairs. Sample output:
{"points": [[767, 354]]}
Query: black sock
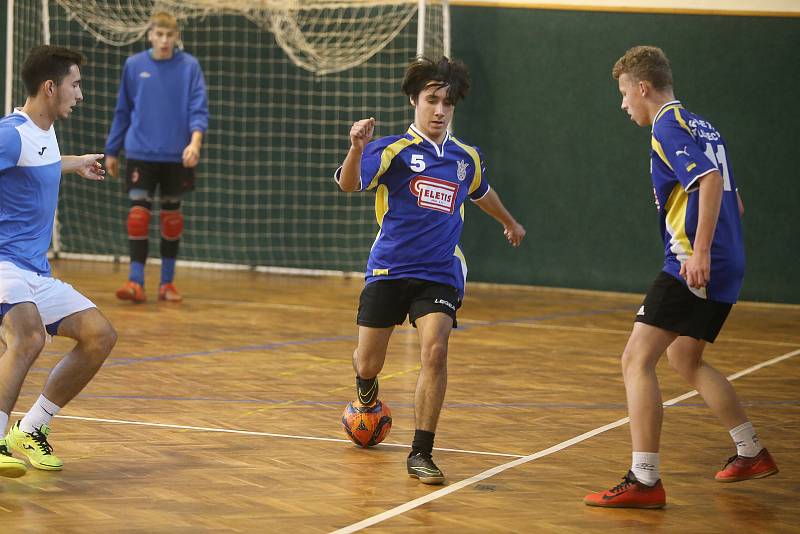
{"points": [[367, 389], [423, 442], [138, 249], [169, 248]]}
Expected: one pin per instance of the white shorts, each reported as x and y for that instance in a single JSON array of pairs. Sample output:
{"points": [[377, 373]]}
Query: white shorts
{"points": [[54, 299]]}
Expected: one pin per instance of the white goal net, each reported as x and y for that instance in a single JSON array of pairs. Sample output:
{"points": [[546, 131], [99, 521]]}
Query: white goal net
{"points": [[285, 80]]}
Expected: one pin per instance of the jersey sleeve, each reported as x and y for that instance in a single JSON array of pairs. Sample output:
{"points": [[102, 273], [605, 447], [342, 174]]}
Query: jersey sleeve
{"points": [[122, 113], [198, 101], [480, 185], [10, 147], [371, 165], [372, 162], [682, 152]]}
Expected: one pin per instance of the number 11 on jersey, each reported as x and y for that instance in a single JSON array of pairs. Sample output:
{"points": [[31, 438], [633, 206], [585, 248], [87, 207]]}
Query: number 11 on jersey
{"points": [[721, 162]]}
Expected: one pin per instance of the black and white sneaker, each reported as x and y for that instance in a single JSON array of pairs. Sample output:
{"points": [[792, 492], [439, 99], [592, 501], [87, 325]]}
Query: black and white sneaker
{"points": [[421, 466]]}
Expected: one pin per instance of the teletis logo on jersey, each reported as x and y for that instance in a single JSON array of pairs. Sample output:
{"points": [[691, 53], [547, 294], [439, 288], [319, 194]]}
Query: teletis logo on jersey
{"points": [[434, 194]]}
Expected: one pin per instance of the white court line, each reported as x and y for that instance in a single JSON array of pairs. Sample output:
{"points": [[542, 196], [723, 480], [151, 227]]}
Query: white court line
{"points": [[254, 433], [388, 514]]}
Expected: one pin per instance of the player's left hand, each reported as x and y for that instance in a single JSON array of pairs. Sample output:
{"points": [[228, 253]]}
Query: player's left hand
{"points": [[90, 168], [697, 269], [514, 233], [191, 156]]}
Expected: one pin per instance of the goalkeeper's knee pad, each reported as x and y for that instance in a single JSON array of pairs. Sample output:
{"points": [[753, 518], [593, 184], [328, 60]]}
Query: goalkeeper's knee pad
{"points": [[171, 224], [138, 222]]}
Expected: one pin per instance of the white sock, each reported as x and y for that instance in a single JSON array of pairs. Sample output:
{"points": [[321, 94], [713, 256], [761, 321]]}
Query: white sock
{"points": [[3, 423], [645, 467], [746, 440], [40, 414]]}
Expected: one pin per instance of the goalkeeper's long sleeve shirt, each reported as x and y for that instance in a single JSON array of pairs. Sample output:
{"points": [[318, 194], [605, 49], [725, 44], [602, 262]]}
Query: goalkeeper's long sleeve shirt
{"points": [[160, 104]]}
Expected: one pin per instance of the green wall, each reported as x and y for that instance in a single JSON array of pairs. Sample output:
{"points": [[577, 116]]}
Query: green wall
{"points": [[575, 171]]}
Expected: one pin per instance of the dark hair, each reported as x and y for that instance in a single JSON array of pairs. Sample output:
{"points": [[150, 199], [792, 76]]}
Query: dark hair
{"points": [[445, 73], [47, 62], [645, 63]]}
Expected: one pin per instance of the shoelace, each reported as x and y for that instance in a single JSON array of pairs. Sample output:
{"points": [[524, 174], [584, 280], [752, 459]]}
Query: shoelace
{"points": [[622, 485], [730, 461], [41, 441]]}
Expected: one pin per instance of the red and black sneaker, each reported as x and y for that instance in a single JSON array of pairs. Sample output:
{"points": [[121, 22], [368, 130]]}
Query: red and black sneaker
{"points": [[630, 493], [743, 468]]}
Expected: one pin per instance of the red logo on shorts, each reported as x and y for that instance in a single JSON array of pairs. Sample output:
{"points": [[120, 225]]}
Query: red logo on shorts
{"points": [[434, 194], [135, 176]]}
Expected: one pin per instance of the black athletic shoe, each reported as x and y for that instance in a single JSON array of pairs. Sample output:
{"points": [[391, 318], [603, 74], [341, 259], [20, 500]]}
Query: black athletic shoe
{"points": [[367, 390], [421, 466]]}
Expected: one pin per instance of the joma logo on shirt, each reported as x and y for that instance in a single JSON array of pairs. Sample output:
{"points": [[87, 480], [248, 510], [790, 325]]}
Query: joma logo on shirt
{"points": [[434, 194]]}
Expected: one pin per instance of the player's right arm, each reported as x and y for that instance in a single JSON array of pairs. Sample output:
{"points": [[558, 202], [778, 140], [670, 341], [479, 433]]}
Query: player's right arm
{"points": [[695, 171], [697, 267], [360, 134], [120, 124], [198, 117]]}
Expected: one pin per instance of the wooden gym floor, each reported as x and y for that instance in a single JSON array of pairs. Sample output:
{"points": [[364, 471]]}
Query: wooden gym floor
{"points": [[222, 414]]}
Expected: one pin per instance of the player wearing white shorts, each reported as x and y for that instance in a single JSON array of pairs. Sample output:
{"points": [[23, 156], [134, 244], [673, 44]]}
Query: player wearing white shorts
{"points": [[32, 302]]}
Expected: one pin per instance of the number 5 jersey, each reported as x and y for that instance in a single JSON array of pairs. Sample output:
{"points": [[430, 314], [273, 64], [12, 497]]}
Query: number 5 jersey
{"points": [[420, 188]]}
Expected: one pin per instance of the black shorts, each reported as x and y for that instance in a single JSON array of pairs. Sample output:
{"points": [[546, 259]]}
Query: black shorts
{"points": [[670, 305], [386, 303], [173, 179]]}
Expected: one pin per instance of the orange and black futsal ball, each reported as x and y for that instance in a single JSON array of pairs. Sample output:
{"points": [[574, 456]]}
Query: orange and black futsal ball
{"points": [[367, 425]]}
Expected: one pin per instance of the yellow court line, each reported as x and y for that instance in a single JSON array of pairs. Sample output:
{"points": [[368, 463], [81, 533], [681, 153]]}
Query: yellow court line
{"points": [[384, 378], [320, 362], [626, 9]]}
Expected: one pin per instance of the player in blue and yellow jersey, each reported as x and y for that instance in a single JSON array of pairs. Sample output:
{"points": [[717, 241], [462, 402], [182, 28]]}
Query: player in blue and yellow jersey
{"points": [[690, 299], [32, 302], [161, 117], [421, 180]]}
